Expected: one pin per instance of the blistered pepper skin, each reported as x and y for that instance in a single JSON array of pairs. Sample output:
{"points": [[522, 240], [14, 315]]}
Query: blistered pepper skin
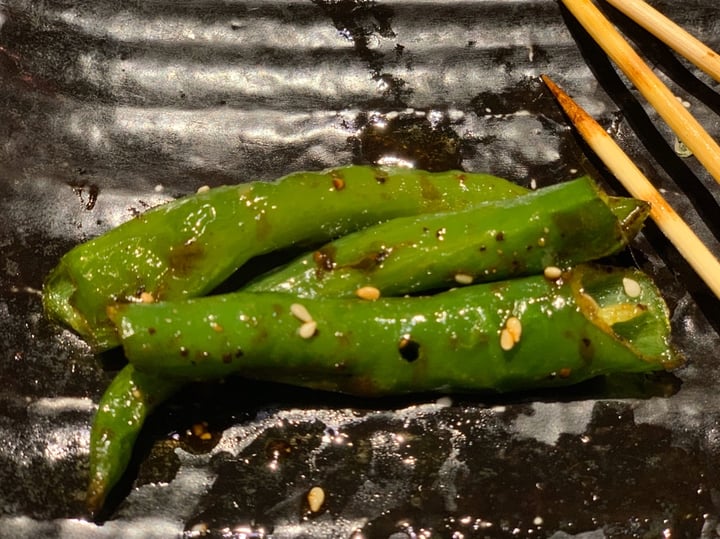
{"points": [[187, 247], [560, 226], [452, 342]]}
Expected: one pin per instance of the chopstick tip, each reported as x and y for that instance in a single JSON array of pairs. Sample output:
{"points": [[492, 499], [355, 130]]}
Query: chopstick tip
{"points": [[577, 115]]}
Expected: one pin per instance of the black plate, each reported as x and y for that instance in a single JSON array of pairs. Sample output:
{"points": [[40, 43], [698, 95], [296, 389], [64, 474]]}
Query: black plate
{"points": [[109, 108]]}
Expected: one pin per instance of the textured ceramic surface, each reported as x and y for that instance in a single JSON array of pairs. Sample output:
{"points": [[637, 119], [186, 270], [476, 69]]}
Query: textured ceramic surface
{"points": [[109, 108]]}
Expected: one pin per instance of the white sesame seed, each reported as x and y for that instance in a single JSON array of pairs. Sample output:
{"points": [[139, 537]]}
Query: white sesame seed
{"points": [[552, 272], [308, 329], [369, 293], [514, 327], [444, 402], [631, 287], [464, 278], [299, 311], [538, 521], [203, 189], [506, 340], [315, 499], [147, 297]]}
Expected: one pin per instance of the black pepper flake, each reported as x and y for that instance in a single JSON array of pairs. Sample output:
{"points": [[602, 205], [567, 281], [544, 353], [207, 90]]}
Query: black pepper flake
{"points": [[380, 179], [227, 358], [499, 236], [409, 349], [152, 331], [184, 351]]}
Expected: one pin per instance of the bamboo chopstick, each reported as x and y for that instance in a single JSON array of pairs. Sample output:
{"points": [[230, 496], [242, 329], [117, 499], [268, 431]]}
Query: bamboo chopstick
{"points": [[687, 128], [618, 162], [671, 34]]}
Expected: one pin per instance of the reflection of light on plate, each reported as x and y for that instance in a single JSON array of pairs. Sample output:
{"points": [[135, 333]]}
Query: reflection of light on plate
{"points": [[392, 161]]}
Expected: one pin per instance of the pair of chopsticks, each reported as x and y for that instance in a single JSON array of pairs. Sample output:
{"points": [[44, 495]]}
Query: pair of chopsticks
{"points": [[685, 126]]}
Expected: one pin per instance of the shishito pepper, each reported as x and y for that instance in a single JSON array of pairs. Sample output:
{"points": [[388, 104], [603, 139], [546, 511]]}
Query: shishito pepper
{"points": [[505, 336], [121, 413], [186, 247], [561, 225]]}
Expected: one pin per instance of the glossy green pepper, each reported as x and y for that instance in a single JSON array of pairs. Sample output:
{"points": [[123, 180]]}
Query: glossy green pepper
{"points": [[505, 336], [187, 247], [557, 226], [121, 413], [562, 225]]}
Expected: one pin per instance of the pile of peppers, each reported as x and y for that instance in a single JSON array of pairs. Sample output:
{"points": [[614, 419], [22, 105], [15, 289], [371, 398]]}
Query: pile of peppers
{"points": [[411, 282]]}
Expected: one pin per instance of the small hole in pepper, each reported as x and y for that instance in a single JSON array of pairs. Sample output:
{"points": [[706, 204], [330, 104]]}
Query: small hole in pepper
{"points": [[409, 349]]}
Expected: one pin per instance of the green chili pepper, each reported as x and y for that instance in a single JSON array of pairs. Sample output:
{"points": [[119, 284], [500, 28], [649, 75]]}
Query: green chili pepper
{"points": [[558, 225], [121, 413], [561, 225], [179, 245], [187, 247], [511, 335], [112, 439]]}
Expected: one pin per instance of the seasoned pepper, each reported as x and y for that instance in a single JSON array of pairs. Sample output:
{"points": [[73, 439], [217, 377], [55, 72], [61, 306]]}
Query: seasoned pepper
{"points": [[121, 413], [561, 225], [114, 431], [504, 336], [187, 247]]}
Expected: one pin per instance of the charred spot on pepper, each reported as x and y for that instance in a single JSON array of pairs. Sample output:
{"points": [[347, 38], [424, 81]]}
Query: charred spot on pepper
{"points": [[324, 260], [263, 226], [202, 355], [461, 178], [183, 259], [587, 349], [428, 190], [371, 261], [409, 348], [517, 266]]}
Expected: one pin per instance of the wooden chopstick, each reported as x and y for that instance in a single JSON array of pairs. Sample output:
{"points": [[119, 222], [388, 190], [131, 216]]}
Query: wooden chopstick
{"points": [[687, 128], [618, 162], [671, 34]]}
